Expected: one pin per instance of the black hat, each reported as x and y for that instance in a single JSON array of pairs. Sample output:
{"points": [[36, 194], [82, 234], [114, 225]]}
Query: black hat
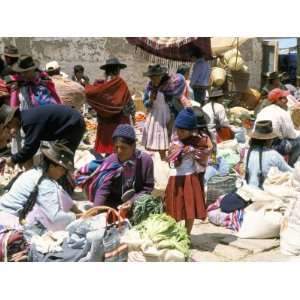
{"points": [[263, 131], [155, 70], [25, 63], [113, 62], [216, 93], [11, 51], [274, 75], [6, 114], [60, 155]]}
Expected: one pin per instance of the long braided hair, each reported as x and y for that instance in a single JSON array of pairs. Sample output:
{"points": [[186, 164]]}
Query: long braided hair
{"points": [[32, 198]]}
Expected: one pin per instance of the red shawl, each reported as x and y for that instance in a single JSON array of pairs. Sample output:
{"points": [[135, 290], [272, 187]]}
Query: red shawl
{"points": [[108, 98]]}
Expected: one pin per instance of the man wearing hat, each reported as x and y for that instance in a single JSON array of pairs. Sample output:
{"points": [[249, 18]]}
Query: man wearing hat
{"points": [[44, 123], [112, 101], [282, 122], [217, 114], [53, 68], [11, 56], [273, 82], [261, 157]]}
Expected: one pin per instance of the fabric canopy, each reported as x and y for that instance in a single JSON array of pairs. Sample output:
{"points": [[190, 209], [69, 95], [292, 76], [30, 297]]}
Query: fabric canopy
{"points": [[221, 45], [172, 48]]}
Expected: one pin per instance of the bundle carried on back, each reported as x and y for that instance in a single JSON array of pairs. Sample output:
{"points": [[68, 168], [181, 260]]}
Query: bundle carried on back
{"points": [[70, 92]]}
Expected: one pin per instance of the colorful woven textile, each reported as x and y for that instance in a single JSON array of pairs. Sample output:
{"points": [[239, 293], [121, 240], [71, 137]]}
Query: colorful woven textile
{"points": [[41, 90], [232, 220], [108, 98], [173, 48], [94, 174]]}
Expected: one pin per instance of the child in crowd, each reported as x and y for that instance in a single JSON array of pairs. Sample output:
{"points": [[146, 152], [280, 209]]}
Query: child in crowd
{"points": [[188, 157]]}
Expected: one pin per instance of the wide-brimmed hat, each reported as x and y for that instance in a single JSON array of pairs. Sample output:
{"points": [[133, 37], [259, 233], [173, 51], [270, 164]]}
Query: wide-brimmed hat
{"points": [[263, 131], [113, 62], [25, 63], [216, 93], [11, 51], [6, 114], [274, 75], [60, 155], [155, 70]]}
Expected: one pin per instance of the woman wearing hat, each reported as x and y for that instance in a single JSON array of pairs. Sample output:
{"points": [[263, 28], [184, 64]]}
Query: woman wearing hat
{"points": [[171, 86], [123, 175], [11, 56], [35, 198], [155, 133], [188, 157], [29, 88], [112, 101], [260, 157], [219, 124]]}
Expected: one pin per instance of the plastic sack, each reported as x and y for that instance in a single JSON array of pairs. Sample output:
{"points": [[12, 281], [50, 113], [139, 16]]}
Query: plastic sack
{"points": [[290, 230], [161, 172], [260, 223]]}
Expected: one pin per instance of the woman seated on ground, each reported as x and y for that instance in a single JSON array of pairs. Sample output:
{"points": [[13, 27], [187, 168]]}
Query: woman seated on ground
{"points": [[260, 157], [35, 198], [127, 170]]}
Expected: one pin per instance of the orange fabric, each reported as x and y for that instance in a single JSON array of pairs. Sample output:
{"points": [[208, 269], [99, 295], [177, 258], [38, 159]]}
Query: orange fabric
{"points": [[225, 134], [108, 98], [185, 198]]}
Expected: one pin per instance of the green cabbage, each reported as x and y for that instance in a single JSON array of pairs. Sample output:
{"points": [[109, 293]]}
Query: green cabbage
{"points": [[165, 233]]}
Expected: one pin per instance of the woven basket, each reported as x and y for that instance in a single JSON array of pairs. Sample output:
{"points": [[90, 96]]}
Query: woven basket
{"points": [[218, 76], [236, 63], [295, 114], [218, 186]]}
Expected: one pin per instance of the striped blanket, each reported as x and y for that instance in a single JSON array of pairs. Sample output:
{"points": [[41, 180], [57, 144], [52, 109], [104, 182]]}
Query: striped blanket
{"points": [[91, 176], [231, 221]]}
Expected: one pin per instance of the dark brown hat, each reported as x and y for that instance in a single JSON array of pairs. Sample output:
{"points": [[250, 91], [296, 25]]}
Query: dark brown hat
{"points": [[155, 70], [60, 155], [216, 93], [25, 63], [263, 131], [113, 62], [11, 51], [6, 114]]}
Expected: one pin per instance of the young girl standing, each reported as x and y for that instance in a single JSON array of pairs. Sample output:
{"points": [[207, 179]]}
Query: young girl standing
{"points": [[188, 157]]}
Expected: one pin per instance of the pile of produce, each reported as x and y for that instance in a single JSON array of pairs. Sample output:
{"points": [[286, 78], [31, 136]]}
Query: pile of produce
{"points": [[90, 125], [165, 233], [144, 206], [140, 116]]}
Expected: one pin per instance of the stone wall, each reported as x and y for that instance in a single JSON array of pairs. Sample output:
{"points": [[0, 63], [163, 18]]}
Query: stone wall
{"points": [[92, 52]]}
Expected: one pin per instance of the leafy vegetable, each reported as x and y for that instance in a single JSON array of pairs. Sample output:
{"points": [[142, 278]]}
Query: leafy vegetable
{"points": [[165, 233], [144, 206]]}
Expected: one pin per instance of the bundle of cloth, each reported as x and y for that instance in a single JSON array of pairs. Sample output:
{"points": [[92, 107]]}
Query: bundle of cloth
{"points": [[91, 176], [70, 92], [13, 245], [258, 213], [81, 241]]}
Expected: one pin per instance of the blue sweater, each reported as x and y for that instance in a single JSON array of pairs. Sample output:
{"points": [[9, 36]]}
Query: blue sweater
{"points": [[46, 123]]}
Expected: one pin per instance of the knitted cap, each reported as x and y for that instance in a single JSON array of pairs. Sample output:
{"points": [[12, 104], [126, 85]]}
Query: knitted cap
{"points": [[186, 119], [125, 131]]}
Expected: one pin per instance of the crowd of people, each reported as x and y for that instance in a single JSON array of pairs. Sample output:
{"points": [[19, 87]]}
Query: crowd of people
{"points": [[186, 119]]}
